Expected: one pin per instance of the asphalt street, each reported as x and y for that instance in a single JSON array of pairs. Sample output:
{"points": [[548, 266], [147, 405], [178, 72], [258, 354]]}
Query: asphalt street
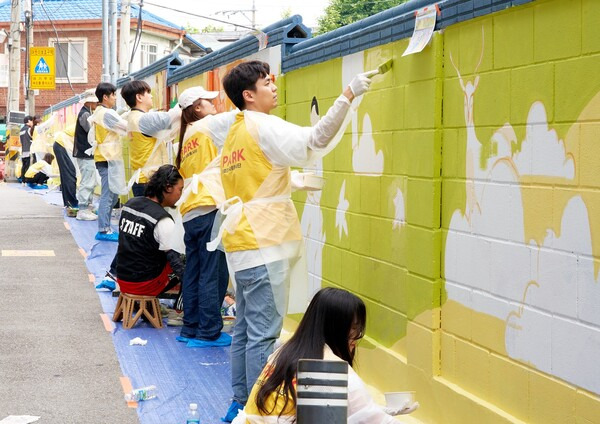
{"points": [[57, 360]]}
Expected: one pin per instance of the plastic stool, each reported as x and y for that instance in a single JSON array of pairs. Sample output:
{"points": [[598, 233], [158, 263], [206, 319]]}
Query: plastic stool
{"points": [[147, 305]]}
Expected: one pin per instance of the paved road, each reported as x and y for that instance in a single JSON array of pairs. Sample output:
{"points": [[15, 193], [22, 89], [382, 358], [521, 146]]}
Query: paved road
{"points": [[56, 359]]}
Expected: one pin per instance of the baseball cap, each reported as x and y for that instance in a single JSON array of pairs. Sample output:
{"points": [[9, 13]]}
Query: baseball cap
{"points": [[190, 95], [89, 96]]}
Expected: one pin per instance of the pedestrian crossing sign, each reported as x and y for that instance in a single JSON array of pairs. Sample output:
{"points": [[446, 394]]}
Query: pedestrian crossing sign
{"points": [[42, 69]]}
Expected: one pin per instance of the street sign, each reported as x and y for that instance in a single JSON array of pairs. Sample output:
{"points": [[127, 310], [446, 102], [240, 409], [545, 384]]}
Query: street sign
{"points": [[42, 68]]}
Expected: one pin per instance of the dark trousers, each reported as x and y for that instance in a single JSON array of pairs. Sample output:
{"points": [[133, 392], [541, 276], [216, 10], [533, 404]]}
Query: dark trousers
{"points": [[39, 178], [26, 161], [204, 281], [138, 189], [68, 176]]}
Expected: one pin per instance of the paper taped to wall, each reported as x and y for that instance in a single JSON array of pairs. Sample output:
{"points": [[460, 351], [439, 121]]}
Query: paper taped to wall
{"points": [[424, 25]]}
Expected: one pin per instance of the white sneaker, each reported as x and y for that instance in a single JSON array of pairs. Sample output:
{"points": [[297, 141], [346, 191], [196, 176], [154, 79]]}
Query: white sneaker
{"points": [[86, 215]]}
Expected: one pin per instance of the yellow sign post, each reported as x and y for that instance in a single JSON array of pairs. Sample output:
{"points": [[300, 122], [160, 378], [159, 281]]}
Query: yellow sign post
{"points": [[42, 68]]}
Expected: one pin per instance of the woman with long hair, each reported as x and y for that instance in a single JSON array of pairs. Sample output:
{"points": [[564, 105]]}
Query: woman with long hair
{"points": [[330, 329], [206, 277]]}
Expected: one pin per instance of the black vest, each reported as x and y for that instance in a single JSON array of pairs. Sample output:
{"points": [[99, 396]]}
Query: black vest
{"points": [[138, 256], [81, 144], [25, 139]]}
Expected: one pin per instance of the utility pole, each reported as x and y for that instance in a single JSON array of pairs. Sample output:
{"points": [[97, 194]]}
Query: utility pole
{"points": [[229, 13], [14, 47], [105, 45], [114, 70], [124, 42], [29, 96]]}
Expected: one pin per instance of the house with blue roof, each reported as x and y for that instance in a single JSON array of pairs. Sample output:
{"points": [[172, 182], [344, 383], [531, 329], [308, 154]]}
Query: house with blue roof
{"points": [[74, 28]]}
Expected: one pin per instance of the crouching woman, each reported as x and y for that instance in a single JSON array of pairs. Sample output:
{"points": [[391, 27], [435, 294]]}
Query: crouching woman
{"points": [[330, 329], [145, 256]]}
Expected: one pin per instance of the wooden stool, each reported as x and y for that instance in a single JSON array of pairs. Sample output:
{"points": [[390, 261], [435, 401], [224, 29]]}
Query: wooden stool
{"points": [[147, 305]]}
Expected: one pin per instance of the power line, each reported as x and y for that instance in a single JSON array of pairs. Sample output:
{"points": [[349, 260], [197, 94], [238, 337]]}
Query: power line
{"points": [[59, 50], [65, 37], [200, 16]]}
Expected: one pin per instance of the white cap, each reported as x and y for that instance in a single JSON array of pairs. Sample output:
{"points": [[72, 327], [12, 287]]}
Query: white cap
{"points": [[190, 95], [89, 96], [193, 406]]}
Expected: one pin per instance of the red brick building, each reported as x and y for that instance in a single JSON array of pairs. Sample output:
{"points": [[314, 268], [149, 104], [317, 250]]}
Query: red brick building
{"points": [[78, 44]]}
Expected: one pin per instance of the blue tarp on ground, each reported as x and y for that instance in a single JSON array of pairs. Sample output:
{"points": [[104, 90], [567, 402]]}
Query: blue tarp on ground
{"points": [[182, 375]]}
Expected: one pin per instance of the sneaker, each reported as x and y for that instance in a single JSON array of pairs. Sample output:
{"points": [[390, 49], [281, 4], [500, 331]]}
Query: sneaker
{"points": [[40, 187], [232, 412], [175, 322], [86, 215], [72, 212], [31, 185], [112, 236]]}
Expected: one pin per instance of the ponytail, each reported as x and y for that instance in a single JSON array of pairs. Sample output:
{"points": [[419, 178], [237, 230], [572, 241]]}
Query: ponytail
{"points": [[188, 116]]}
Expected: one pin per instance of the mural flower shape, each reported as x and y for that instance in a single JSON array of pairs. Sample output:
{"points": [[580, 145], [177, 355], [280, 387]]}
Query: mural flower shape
{"points": [[340, 214]]}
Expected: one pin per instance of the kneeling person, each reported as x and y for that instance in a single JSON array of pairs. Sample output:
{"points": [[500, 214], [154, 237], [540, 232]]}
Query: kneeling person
{"points": [[37, 174], [145, 257]]}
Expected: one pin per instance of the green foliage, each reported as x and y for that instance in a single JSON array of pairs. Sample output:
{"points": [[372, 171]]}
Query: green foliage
{"points": [[212, 28], [344, 12], [189, 29], [286, 13]]}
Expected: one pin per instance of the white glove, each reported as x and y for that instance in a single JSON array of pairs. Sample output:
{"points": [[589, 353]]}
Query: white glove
{"points": [[297, 180], [407, 408], [361, 82]]}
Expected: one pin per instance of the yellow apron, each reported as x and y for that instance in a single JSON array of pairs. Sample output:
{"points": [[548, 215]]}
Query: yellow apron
{"points": [[146, 154], [108, 147], [200, 170], [260, 215]]}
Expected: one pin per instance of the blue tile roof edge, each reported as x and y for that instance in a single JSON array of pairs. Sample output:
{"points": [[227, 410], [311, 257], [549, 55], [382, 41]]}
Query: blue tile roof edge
{"points": [[384, 27], [276, 32], [168, 62]]}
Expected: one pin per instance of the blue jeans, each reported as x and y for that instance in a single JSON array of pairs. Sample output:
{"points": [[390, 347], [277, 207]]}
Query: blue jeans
{"points": [[108, 199], [258, 324], [205, 281]]}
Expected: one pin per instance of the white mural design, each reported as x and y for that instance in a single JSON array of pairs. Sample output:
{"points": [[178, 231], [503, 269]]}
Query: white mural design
{"points": [[546, 293], [312, 221], [340, 213], [366, 159], [399, 218]]}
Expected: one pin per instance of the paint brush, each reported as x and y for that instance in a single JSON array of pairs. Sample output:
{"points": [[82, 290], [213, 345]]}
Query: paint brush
{"points": [[385, 66]]}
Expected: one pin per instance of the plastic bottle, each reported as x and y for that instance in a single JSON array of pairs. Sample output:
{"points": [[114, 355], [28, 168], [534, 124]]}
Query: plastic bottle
{"points": [[143, 393], [193, 417]]}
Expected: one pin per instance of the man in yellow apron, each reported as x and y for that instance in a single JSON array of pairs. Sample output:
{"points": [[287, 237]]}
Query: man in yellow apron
{"points": [[146, 153], [107, 127], [262, 235]]}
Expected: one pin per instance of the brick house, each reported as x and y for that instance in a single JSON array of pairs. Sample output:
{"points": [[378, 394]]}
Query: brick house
{"points": [[78, 24]]}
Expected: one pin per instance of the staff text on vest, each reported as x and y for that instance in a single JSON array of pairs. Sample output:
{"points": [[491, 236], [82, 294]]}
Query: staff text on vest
{"points": [[134, 228]]}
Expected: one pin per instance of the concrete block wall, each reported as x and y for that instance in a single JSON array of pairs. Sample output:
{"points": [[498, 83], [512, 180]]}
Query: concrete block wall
{"points": [[482, 288], [519, 317]]}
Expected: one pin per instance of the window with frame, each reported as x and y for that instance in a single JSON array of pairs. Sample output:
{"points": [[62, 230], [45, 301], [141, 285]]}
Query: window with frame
{"points": [[148, 54], [71, 60]]}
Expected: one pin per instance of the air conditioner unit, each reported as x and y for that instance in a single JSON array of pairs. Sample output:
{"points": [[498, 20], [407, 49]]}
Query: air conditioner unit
{"points": [[15, 117]]}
